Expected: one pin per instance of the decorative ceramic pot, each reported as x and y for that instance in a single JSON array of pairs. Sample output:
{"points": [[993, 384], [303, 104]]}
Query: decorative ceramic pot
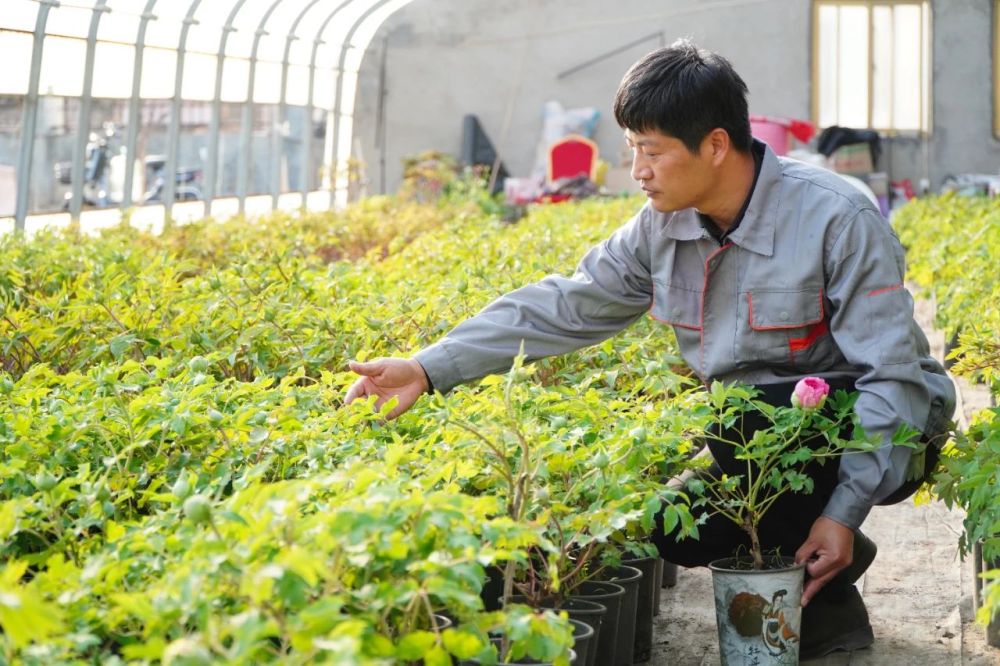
{"points": [[758, 612]]}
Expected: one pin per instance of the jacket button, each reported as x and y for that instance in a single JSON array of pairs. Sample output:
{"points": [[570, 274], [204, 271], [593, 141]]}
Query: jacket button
{"points": [[783, 316]]}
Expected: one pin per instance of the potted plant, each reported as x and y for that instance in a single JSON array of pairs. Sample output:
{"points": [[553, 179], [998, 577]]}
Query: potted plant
{"points": [[580, 469], [758, 593]]}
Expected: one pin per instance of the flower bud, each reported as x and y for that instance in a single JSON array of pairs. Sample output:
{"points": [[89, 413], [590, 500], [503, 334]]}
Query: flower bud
{"points": [[810, 393]]}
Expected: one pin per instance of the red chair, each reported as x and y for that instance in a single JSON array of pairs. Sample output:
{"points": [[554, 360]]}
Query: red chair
{"points": [[570, 157]]}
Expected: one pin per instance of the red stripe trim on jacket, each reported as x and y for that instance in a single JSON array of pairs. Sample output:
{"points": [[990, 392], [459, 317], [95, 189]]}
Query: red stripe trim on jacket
{"points": [[876, 292], [815, 332]]}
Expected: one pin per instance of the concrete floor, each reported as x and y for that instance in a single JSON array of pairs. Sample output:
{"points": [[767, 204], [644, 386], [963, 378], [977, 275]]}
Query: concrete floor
{"points": [[918, 591]]}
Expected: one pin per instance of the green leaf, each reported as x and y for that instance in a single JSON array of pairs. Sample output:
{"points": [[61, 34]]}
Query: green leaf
{"points": [[8, 518], [462, 643], [437, 656], [151, 649], [416, 644], [121, 344], [25, 617]]}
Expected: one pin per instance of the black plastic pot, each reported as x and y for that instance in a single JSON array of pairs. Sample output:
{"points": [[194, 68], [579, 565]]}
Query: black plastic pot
{"points": [[583, 640], [492, 589], [610, 596], [629, 578], [581, 611], [669, 574], [658, 586], [642, 648]]}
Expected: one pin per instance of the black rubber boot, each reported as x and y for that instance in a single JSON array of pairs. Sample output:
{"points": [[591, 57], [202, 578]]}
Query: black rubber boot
{"points": [[862, 557], [835, 620]]}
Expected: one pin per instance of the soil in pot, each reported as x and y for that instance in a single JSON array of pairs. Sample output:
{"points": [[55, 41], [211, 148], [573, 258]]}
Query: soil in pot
{"points": [[629, 578], [642, 648], [610, 596], [758, 612]]}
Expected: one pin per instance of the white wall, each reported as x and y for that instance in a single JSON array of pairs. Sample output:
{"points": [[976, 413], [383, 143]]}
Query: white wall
{"points": [[445, 59]]}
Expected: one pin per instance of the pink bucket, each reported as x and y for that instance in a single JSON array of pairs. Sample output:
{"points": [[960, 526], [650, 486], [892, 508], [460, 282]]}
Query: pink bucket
{"points": [[772, 133]]}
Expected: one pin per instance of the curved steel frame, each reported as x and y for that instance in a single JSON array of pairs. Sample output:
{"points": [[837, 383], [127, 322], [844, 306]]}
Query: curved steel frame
{"points": [[101, 7], [30, 116], [173, 136], [83, 117], [134, 117], [307, 132], [283, 105], [338, 113], [212, 167], [246, 126]]}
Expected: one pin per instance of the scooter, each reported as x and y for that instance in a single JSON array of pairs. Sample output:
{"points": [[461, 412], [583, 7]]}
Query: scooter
{"points": [[185, 181], [102, 164], [96, 171]]}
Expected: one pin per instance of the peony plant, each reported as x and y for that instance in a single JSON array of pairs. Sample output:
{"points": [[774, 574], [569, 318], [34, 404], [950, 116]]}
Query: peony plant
{"points": [[777, 456]]}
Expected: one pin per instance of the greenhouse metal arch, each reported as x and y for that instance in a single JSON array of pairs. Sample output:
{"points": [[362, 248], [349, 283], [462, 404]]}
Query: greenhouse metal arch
{"points": [[289, 67]]}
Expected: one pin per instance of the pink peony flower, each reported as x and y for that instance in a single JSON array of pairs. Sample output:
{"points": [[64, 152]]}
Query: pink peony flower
{"points": [[810, 393]]}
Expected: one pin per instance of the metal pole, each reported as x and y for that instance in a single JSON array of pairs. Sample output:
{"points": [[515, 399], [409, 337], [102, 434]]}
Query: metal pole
{"points": [[83, 117], [604, 56], [212, 168], [283, 106], [30, 117], [338, 114], [134, 120], [170, 169], [380, 122], [246, 127], [307, 133]]}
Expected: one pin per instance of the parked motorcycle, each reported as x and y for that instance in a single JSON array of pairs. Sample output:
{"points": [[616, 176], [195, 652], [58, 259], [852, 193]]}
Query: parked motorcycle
{"points": [[105, 165], [186, 181]]}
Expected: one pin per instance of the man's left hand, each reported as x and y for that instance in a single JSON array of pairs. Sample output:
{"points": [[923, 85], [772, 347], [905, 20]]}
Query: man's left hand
{"points": [[826, 552]]}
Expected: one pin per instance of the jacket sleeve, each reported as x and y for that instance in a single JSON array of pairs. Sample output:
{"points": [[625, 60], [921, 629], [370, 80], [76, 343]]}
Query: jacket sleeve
{"points": [[610, 289], [872, 322]]}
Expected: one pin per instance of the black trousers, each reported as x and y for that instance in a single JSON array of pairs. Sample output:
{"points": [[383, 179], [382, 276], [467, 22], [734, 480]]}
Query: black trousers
{"points": [[786, 525]]}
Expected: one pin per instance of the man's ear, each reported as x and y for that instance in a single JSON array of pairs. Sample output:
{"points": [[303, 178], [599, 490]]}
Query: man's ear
{"points": [[717, 145]]}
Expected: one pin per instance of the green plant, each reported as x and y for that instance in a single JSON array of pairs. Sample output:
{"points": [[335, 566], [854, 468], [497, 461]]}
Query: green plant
{"points": [[777, 456], [954, 245], [177, 468], [587, 471]]}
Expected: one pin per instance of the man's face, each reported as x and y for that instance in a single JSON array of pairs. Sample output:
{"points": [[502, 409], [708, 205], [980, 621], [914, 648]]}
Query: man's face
{"points": [[672, 177]]}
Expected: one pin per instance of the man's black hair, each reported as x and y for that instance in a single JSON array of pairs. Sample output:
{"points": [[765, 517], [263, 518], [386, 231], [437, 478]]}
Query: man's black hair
{"points": [[684, 92]]}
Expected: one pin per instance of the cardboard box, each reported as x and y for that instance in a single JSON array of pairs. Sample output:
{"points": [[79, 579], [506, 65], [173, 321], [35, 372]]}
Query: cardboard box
{"points": [[853, 159]]}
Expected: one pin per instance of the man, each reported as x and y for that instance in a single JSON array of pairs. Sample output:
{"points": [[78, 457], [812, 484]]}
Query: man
{"points": [[768, 270]]}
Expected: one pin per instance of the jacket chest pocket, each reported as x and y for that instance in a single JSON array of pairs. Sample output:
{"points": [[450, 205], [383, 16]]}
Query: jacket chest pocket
{"points": [[676, 305], [680, 307], [785, 327]]}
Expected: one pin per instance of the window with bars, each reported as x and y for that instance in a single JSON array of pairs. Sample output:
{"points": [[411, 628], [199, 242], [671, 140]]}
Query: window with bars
{"points": [[871, 64]]}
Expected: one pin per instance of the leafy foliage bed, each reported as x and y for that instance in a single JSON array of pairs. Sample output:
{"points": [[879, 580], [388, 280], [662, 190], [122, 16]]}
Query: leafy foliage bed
{"points": [[953, 250], [181, 483]]}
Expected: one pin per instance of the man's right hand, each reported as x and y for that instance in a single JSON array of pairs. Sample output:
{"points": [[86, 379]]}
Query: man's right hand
{"points": [[388, 377]]}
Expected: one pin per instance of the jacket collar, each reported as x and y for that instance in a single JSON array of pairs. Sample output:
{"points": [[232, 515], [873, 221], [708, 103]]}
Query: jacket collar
{"points": [[756, 231]]}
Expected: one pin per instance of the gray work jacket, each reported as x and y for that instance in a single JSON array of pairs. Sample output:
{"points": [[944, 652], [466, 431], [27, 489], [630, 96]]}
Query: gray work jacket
{"points": [[810, 283]]}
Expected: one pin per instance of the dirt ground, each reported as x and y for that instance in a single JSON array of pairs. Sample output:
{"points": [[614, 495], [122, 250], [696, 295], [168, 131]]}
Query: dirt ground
{"points": [[918, 592]]}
